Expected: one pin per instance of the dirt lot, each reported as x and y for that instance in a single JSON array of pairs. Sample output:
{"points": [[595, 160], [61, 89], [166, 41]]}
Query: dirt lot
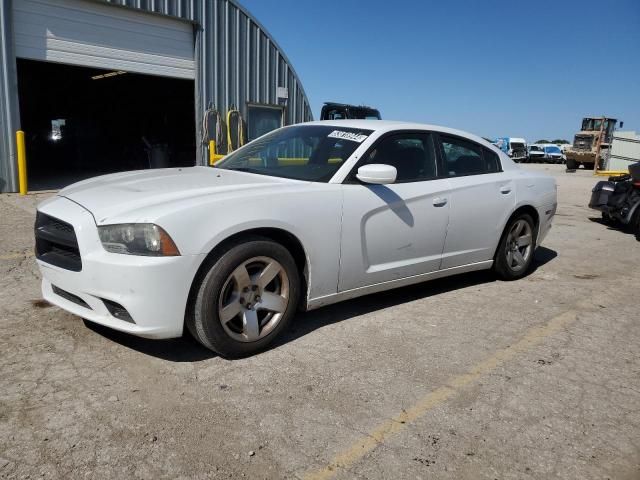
{"points": [[467, 377]]}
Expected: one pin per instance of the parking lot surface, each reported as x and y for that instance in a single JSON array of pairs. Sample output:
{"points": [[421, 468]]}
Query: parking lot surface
{"points": [[467, 377]]}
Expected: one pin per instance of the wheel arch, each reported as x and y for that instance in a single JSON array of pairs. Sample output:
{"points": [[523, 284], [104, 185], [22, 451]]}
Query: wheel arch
{"points": [[528, 209], [283, 237]]}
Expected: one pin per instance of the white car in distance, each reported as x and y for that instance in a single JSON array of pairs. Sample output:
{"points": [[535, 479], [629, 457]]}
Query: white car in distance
{"points": [[305, 216]]}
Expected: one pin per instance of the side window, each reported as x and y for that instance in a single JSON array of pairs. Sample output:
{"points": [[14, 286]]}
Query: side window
{"points": [[491, 160], [412, 154], [462, 157]]}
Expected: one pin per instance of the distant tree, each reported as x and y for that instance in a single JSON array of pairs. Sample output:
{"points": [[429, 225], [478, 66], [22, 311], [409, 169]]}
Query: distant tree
{"points": [[559, 141], [543, 141]]}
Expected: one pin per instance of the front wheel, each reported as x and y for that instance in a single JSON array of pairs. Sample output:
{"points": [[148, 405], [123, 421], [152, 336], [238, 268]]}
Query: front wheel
{"points": [[571, 164], [515, 251], [246, 298]]}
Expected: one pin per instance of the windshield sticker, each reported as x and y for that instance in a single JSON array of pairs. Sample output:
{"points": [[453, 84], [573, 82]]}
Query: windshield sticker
{"points": [[354, 137]]}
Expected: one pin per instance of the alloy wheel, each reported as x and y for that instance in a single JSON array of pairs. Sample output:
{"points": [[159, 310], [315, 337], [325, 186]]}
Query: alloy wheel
{"points": [[254, 299], [519, 246]]}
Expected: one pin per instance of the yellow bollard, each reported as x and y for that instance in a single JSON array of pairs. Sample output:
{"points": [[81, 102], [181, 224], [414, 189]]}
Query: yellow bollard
{"points": [[22, 162], [212, 152]]}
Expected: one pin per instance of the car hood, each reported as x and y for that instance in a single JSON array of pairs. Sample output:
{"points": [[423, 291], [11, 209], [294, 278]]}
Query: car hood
{"points": [[110, 196]]}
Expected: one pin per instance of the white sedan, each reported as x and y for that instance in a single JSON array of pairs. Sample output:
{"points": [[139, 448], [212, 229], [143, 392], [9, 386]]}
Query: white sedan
{"points": [[305, 216]]}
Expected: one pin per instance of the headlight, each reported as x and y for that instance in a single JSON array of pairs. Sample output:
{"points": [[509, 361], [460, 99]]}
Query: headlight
{"points": [[137, 239]]}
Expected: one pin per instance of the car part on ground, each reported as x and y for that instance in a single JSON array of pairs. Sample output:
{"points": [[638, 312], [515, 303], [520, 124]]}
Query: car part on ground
{"points": [[619, 200]]}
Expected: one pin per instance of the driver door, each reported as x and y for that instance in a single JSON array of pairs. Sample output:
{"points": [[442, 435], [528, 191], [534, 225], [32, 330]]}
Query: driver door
{"points": [[394, 231]]}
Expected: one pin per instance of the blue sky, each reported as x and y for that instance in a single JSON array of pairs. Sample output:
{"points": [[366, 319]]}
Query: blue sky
{"points": [[494, 68]]}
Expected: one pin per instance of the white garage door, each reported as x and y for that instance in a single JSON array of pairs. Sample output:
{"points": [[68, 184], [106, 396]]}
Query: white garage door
{"points": [[94, 34]]}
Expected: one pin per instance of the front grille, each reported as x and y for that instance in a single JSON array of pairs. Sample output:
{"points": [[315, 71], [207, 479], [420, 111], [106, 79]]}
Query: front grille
{"points": [[582, 143], [56, 243], [70, 296]]}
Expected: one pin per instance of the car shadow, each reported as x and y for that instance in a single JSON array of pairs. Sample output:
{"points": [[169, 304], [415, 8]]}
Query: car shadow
{"points": [[183, 349], [307, 322], [186, 349]]}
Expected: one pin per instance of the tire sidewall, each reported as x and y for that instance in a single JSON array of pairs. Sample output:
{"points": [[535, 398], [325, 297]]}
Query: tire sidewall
{"points": [[206, 322]]}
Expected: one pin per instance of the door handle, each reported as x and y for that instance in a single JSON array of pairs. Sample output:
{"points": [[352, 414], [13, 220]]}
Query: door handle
{"points": [[505, 190], [439, 202]]}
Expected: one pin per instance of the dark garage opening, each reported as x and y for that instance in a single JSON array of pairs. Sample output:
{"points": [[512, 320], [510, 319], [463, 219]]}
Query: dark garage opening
{"points": [[81, 122]]}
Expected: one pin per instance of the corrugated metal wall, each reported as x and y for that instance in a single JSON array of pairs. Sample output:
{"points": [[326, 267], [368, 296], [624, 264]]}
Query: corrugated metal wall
{"points": [[8, 102], [238, 63]]}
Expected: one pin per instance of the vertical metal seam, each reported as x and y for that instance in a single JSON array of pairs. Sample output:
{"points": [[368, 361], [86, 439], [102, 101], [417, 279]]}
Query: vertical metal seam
{"points": [[8, 100], [236, 96], [257, 80], [247, 63], [226, 55]]}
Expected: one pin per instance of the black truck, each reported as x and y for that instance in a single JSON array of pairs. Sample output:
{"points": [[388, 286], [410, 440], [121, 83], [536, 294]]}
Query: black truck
{"points": [[342, 111]]}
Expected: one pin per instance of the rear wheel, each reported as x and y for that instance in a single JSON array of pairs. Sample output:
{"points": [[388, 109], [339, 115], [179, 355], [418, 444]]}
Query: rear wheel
{"points": [[571, 164], [246, 298], [515, 252]]}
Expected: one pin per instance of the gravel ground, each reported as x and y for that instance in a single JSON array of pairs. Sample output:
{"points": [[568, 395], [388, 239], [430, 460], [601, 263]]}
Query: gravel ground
{"points": [[467, 377]]}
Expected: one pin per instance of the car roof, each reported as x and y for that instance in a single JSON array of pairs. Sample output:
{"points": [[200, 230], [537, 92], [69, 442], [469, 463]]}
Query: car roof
{"points": [[383, 126]]}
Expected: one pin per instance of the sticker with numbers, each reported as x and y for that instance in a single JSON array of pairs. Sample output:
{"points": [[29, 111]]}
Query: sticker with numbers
{"points": [[353, 137]]}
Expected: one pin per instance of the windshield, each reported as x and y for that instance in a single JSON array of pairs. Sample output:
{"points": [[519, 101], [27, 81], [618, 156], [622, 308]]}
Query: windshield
{"points": [[533, 148], [302, 152], [364, 113], [517, 146], [552, 150], [589, 124]]}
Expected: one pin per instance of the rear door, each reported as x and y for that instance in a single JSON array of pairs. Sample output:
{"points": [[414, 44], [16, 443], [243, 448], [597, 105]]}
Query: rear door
{"points": [[394, 231], [482, 198]]}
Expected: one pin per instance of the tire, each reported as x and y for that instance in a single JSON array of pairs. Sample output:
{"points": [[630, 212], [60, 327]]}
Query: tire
{"points": [[232, 311], [507, 264], [571, 164], [589, 166]]}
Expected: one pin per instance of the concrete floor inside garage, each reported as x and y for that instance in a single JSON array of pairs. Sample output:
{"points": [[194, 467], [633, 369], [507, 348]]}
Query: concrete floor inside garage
{"points": [[80, 122], [463, 378]]}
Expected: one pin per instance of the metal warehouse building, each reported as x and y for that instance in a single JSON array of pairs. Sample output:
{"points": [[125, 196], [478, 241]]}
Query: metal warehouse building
{"points": [[103, 86]]}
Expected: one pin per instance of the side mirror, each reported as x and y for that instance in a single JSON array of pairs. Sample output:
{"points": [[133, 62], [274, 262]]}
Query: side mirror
{"points": [[377, 173]]}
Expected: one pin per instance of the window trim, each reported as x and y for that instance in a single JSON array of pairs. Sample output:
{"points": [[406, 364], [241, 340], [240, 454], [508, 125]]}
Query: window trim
{"points": [[350, 178], [443, 156]]}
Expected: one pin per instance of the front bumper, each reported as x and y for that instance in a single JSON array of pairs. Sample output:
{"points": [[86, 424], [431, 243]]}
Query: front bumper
{"points": [[153, 290], [579, 156]]}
